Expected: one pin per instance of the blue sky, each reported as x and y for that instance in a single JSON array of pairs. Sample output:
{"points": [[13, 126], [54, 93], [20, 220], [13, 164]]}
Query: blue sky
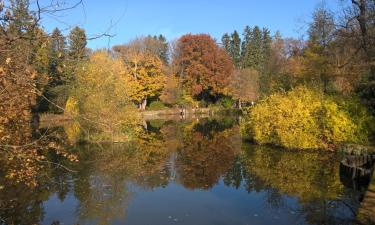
{"points": [[173, 18]]}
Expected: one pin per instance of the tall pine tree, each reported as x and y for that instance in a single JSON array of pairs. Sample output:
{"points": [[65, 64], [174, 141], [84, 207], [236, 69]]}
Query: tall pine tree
{"points": [[163, 49], [225, 40], [77, 44], [57, 57], [235, 48]]}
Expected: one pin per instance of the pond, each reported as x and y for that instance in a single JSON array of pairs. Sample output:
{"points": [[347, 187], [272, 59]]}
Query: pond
{"points": [[189, 172]]}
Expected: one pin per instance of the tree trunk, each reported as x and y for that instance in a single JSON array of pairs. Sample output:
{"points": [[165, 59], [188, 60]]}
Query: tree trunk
{"points": [[142, 105], [239, 104]]}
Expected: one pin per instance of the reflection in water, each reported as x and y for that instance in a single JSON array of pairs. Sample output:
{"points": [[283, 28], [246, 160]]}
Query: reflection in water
{"points": [[204, 159], [296, 173], [200, 170], [356, 171], [311, 177]]}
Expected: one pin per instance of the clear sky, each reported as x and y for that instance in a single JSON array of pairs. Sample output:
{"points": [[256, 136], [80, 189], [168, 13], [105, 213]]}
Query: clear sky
{"points": [[173, 18]]}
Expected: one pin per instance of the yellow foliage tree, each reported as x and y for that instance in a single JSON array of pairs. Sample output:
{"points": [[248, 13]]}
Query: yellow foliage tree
{"points": [[144, 77], [101, 91]]}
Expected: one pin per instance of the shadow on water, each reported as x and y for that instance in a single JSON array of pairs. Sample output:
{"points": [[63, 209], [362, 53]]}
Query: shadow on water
{"points": [[196, 171], [356, 171]]}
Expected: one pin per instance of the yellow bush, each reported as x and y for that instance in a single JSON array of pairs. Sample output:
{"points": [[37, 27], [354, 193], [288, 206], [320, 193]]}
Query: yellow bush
{"points": [[71, 107], [303, 119]]}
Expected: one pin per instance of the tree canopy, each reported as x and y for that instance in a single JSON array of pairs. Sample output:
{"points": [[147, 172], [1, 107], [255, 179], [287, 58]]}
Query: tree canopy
{"points": [[202, 64]]}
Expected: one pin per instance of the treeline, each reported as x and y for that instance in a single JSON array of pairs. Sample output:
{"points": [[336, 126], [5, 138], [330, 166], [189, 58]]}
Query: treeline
{"points": [[196, 70]]}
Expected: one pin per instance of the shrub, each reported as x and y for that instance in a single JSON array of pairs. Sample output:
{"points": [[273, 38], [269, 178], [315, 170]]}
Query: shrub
{"points": [[157, 105], [187, 100], [307, 119], [157, 123], [71, 107], [225, 102]]}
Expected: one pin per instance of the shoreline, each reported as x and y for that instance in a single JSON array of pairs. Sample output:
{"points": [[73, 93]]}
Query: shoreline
{"points": [[53, 120]]}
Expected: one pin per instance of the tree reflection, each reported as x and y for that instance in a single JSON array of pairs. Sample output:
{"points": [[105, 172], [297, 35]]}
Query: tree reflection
{"points": [[198, 154], [311, 177], [206, 155], [21, 205], [102, 182], [306, 175]]}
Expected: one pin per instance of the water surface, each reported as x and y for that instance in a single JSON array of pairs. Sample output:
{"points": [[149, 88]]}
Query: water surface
{"points": [[189, 172]]}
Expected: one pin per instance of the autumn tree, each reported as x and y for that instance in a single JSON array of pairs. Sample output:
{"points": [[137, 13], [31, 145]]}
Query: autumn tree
{"points": [[244, 85], [99, 100], [171, 92], [318, 53], [22, 63], [204, 67], [153, 45], [359, 30], [145, 60], [144, 77]]}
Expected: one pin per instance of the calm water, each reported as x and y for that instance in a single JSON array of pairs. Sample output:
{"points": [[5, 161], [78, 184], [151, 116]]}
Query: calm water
{"points": [[189, 172]]}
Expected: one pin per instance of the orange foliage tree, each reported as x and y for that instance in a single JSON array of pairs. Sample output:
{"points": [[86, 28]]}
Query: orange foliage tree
{"points": [[202, 64]]}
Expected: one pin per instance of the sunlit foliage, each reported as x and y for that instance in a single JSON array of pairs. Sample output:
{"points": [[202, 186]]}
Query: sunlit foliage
{"points": [[305, 119], [101, 91], [144, 77], [203, 65], [23, 65]]}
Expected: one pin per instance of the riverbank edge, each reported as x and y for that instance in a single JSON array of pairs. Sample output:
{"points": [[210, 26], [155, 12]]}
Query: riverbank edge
{"points": [[48, 119]]}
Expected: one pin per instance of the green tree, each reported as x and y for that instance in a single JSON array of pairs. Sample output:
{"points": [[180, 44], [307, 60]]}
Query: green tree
{"points": [[77, 44], [225, 41], [57, 87], [247, 36], [163, 49], [255, 48], [57, 56], [235, 48]]}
